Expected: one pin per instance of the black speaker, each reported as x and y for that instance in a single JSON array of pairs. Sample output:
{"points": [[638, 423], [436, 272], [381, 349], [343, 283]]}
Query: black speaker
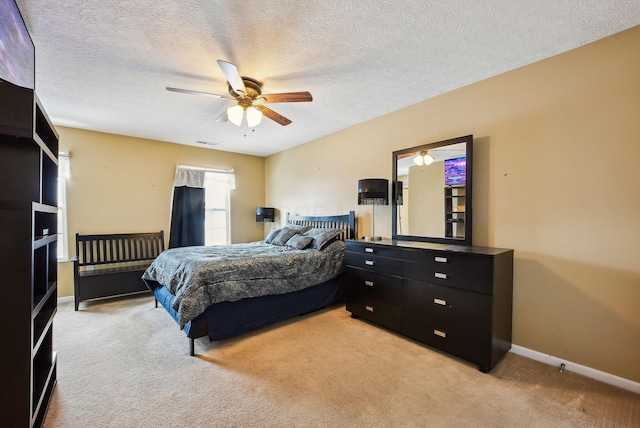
{"points": [[264, 214]]}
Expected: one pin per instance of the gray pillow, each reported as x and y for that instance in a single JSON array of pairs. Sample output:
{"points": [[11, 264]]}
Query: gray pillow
{"points": [[322, 237], [270, 237], [285, 234], [299, 242]]}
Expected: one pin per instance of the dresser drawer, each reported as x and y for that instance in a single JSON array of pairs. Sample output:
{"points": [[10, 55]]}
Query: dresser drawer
{"points": [[466, 340], [372, 284], [374, 263], [373, 249], [446, 302], [463, 271], [376, 310]]}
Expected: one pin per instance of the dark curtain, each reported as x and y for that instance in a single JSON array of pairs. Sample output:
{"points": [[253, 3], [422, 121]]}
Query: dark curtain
{"points": [[187, 217]]}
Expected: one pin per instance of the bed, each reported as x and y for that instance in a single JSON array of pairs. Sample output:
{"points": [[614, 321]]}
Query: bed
{"points": [[223, 291]]}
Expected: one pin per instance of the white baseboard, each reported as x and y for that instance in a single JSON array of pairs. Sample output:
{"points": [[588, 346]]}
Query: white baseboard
{"points": [[65, 299], [569, 366]]}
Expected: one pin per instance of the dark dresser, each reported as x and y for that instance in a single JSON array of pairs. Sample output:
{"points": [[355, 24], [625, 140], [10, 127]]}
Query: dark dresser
{"points": [[454, 298]]}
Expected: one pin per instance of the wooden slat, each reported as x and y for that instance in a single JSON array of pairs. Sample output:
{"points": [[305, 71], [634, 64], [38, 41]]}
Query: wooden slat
{"points": [[91, 258], [84, 252], [114, 249], [120, 250]]}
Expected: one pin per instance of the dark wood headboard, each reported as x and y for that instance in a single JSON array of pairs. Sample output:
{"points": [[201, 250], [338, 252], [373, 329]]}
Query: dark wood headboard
{"points": [[346, 222]]}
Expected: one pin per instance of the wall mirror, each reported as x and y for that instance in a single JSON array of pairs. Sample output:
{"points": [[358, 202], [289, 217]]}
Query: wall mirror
{"points": [[432, 192]]}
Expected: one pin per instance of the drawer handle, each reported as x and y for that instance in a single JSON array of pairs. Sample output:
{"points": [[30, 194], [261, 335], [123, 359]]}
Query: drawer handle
{"points": [[368, 250], [440, 302], [441, 259], [369, 308], [440, 275], [369, 283], [439, 333], [369, 262]]}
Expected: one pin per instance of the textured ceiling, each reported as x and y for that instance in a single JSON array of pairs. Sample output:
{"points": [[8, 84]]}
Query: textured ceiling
{"points": [[103, 65]]}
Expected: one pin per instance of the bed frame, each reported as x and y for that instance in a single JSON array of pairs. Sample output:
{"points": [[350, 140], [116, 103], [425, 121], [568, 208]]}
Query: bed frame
{"points": [[227, 319]]}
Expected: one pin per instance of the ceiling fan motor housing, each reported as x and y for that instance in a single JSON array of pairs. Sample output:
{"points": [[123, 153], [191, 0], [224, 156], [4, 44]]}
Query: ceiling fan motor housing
{"points": [[253, 87]]}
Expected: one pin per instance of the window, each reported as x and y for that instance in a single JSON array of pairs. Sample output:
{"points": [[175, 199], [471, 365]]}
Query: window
{"points": [[64, 172], [216, 208], [217, 185]]}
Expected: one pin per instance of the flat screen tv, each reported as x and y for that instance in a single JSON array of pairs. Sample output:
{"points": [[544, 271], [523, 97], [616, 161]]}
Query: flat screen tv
{"points": [[455, 171], [17, 52]]}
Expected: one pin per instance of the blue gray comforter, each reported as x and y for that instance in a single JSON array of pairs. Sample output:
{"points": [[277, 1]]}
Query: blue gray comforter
{"points": [[201, 276]]}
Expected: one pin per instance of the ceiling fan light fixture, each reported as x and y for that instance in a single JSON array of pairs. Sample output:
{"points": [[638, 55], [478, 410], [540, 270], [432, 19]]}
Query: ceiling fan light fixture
{"points": [[428, 159], [235, 114], [424, 158], [246, 90], [254, 117]]}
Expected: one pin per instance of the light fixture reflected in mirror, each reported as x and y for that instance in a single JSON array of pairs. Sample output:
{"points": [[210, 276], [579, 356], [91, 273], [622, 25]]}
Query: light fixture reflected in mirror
{"points": [[236, 113], [424, 158]]}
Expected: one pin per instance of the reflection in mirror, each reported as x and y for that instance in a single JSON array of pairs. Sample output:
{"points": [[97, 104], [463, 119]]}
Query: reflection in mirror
{"points": [[432, 192]]}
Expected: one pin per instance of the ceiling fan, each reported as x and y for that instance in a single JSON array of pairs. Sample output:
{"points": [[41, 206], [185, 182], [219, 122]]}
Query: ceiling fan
{"points": [[248, 93]]}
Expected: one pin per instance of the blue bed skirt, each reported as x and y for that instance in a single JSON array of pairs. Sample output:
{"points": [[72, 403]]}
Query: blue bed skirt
{"points": [[227, 319]]}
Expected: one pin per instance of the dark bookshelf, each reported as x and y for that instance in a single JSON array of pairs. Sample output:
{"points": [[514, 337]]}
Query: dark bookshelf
{"points": [[28, 259]]}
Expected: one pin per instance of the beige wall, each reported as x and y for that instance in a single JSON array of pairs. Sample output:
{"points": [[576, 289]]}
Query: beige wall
{"points": [[123, 184], [556, 166], [426, 192]]}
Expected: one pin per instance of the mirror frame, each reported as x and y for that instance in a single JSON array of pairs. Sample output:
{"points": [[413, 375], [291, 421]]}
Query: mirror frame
{"points": [[468, 224]]}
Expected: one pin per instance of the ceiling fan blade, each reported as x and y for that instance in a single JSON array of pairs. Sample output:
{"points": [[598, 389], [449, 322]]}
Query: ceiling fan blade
{"points": [[223, 117], [187, 91], [233, 76], [276, 117], [289, 97]]}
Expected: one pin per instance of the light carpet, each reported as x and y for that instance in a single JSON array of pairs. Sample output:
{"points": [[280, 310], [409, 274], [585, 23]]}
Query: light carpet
{"points": [[125, 363]]}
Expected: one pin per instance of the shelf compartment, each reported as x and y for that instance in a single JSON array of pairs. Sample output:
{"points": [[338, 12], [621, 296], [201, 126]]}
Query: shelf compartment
{"points": [[44, 271], [43, 367], [52, 263], [39, 274], [45, 223], [43, 317], [39, 413], [20, 158], [49, 182], [40, 303], [455, 211], [16, 110], [45, 131]]}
